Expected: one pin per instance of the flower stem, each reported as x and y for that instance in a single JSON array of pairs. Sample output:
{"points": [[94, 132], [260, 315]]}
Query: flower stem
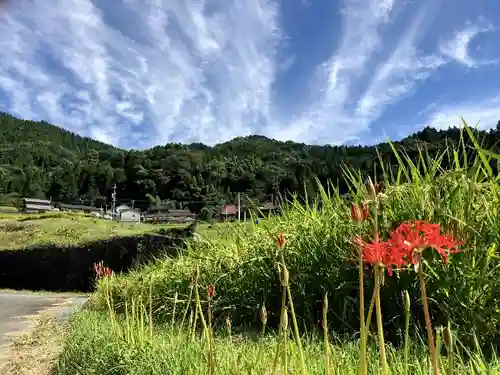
{"points": [[296, 332], [280, 330], [407, 306], [380, 328], [326, 344], [430, 336], [370, 310], [362, 327]]}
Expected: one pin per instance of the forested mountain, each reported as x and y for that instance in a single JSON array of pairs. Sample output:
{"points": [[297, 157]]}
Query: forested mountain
{"points": [[41, 160]]}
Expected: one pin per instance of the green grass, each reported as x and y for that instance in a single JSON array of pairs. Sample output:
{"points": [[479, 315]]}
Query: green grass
{"points": [[18, 231], [242, 262], [95, 347], [7, 209]]}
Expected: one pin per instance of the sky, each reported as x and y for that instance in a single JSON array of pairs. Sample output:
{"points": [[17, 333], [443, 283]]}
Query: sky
{"points": [[140, 73]]}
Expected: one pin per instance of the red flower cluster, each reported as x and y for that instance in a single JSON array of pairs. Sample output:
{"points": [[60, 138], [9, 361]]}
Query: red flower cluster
{"points": [[101, 270], [405, 244]]}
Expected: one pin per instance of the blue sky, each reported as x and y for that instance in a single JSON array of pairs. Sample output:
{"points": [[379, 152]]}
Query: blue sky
{"points": [[137, 73]]}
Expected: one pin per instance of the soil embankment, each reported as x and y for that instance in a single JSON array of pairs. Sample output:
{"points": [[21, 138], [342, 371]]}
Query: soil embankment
{"points": [[70, 268]]}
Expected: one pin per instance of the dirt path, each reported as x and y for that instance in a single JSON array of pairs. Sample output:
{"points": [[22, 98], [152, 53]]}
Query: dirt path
{"points": [[18, 313]]}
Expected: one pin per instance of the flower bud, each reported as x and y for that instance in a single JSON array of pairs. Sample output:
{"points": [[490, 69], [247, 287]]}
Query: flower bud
{"points": [[281, 241], [406, 300], [263, 314], [359, 213], [211, 291], [374, 189]]}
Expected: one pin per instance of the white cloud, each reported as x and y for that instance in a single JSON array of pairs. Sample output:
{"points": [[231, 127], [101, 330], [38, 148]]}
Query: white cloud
{"points": [[457, 48], [396, 77], [485, 114], [399, 75], [191, 70], [360, 38], [138, 73]]}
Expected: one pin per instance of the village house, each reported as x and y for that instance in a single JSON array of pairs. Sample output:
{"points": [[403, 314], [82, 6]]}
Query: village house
{"points": [[157, 214], [229, 212], [30, 205], [269, 208], [80, 208], [130, 215], [181, 216]]}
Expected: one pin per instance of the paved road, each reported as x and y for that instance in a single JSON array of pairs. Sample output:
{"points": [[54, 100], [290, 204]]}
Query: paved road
{"points": [[16, 307]]}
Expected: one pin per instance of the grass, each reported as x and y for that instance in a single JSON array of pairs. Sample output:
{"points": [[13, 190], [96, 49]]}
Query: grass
{"points": [[18, 231], [7, 209], [95, 346]]}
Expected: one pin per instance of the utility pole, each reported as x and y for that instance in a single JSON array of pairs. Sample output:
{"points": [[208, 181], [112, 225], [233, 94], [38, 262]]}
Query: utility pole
{"points": [[113, 196], [239, 207]]}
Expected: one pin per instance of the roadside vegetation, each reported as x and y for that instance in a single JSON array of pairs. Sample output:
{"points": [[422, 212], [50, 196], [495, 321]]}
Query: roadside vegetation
{"points": [[283, 296]]}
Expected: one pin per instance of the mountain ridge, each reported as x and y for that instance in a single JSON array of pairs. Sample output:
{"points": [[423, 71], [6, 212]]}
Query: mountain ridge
{"points": [[41, 160]]}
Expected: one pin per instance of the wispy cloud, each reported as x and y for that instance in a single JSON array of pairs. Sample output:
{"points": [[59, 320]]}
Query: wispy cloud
{"points": [[138, 73], [484, 113], [397, 76], [362, 25], [169, 70], [457, 48]]}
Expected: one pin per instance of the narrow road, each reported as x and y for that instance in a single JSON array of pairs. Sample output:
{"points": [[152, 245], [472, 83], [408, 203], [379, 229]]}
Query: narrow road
{"points": [[16, 307]]}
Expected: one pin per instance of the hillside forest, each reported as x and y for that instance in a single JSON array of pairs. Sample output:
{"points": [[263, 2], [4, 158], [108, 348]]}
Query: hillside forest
{"points": [[40, 160]]}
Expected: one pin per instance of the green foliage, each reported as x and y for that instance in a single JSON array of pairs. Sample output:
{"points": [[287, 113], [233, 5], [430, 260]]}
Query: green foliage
{"points": [[242, 261], [40, 160]]}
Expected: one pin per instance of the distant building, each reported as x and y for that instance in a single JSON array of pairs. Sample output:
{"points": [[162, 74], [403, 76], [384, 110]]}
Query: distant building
{"points": [[157, 214], [269, 208], [181, 216], [31, 206], [164, 215], [79, 208], [228, 212], [122, 207], [130, 216]]}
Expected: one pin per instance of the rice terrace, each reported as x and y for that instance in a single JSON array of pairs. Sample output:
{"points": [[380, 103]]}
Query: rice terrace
{"points": [[395, 270]]}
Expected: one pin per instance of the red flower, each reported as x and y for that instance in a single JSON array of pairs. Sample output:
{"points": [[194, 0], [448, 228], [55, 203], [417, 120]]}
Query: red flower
{"points": [[211, 291], [359, 213], [414, 237], [405, 245], [382, 254], [281, 241]]}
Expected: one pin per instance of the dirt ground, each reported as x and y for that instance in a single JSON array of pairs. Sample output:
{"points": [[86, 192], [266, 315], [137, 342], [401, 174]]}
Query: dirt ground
{"points": [[32, 330]]}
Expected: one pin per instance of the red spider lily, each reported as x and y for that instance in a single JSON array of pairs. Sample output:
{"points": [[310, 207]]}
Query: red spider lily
{"points": [[416, 236], [211, 291], [102, 271], [281, 241], [382, 253], [359, 213], [405, 245]]}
